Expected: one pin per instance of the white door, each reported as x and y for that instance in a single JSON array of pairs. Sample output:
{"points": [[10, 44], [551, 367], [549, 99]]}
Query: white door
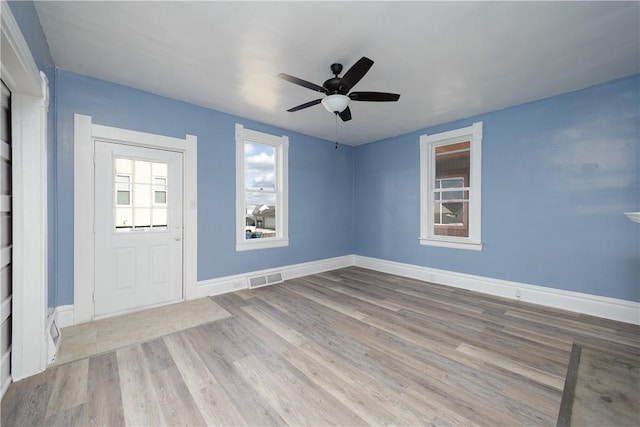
{"points": [[138, 227]]}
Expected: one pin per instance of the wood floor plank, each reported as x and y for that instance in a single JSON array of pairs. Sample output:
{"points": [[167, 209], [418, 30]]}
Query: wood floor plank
{"points": [[212, 401], [104, 398], [286, 394], [176, 403], [344, 347], [26, 405], [69, 387], [157, 355], [75, 416], [140, 403], [347, 388], [498, 360], [255, 410]]}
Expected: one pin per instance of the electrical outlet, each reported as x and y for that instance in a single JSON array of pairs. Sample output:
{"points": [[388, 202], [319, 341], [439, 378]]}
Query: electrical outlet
{"points": [[518, 293]]}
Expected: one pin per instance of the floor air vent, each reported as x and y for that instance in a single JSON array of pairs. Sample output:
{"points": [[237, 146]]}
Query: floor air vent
{"points": [[264, 280]]}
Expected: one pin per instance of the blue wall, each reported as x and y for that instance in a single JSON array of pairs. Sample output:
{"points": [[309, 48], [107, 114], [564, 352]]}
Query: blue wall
{"points": [[557, 175], [320, 179], [27, 18]]}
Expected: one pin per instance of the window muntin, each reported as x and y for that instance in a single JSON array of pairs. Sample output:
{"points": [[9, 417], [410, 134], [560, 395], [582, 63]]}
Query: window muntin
{"points": [[450, 188], [261, 189], [140, 195]]}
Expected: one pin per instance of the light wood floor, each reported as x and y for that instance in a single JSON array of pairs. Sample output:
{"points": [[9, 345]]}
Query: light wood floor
{"points": [[349, 347]]}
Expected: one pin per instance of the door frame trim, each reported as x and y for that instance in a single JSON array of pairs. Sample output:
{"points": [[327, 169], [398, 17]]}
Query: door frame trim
{"points": [[30, 102], [85, 132]]}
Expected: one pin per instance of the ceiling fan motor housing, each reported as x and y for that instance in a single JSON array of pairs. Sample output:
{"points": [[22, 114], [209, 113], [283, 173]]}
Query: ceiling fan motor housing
{"points": [[333, 85]]}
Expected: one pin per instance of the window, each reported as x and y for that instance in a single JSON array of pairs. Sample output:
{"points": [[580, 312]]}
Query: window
{"points": [[450, 182], [123, 190], [261, 190], [160, 191], [141, 195]]}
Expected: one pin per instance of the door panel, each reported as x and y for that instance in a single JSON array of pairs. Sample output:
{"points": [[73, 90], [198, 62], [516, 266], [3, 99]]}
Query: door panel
{"points": [[158, 265], [138, 225]]}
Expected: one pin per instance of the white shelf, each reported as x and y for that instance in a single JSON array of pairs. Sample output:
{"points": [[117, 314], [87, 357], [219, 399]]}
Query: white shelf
{"points": [[633, 216]]}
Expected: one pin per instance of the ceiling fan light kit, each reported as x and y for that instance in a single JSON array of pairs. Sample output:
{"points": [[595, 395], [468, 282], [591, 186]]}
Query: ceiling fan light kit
{"points": [[335, 103], [337, 89]]}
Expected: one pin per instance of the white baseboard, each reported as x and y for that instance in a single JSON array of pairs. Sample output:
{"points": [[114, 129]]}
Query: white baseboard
{"points": [[65, 315], [222, 285], [226, 284], [594, 305]]}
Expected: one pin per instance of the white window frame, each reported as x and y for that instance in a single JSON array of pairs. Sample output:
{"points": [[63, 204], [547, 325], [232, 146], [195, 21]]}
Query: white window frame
{"points": [[281, 145], [428, 145]]}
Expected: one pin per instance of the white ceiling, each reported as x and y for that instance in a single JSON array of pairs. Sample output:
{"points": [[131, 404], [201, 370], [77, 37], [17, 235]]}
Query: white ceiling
{"points": [[448, 60]]}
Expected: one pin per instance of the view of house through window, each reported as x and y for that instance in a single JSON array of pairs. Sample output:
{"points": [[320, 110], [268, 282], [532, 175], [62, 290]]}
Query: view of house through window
{"points": [[260, 190], [140, 195], [451, 190]]}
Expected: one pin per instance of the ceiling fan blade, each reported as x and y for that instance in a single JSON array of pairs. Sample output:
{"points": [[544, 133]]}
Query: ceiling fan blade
{"points": [[305, 105], [345, 115], [374, 96], [302, 83], [356, 72]]}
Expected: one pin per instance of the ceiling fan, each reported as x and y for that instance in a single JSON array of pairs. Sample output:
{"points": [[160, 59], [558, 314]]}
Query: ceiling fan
{"points": [[337, 89]]}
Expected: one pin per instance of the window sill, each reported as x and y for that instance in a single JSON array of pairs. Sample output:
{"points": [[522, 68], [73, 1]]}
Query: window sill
{"points": [[264, 243], [468, 245]]}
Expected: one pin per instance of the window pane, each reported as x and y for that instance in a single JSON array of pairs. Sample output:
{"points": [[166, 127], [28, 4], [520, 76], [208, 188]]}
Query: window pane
{"points": [[451, 219], [142, 195], [159, 169], [260, 214], [452, 173], [142, 172], [160, 197], [259, 166], [452, 195], [124, 198], [140, 185], [124, 166], [160, 190], [159, 217], [142, 217], [124, 218], [452, 213], [453, 164], [452, 183]]}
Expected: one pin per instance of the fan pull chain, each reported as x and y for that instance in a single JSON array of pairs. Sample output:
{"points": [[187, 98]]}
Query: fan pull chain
{"points": [[336, 130]]}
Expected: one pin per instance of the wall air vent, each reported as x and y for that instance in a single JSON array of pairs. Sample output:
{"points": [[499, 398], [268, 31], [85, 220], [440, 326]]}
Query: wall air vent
{"points": [[264, 280]]}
